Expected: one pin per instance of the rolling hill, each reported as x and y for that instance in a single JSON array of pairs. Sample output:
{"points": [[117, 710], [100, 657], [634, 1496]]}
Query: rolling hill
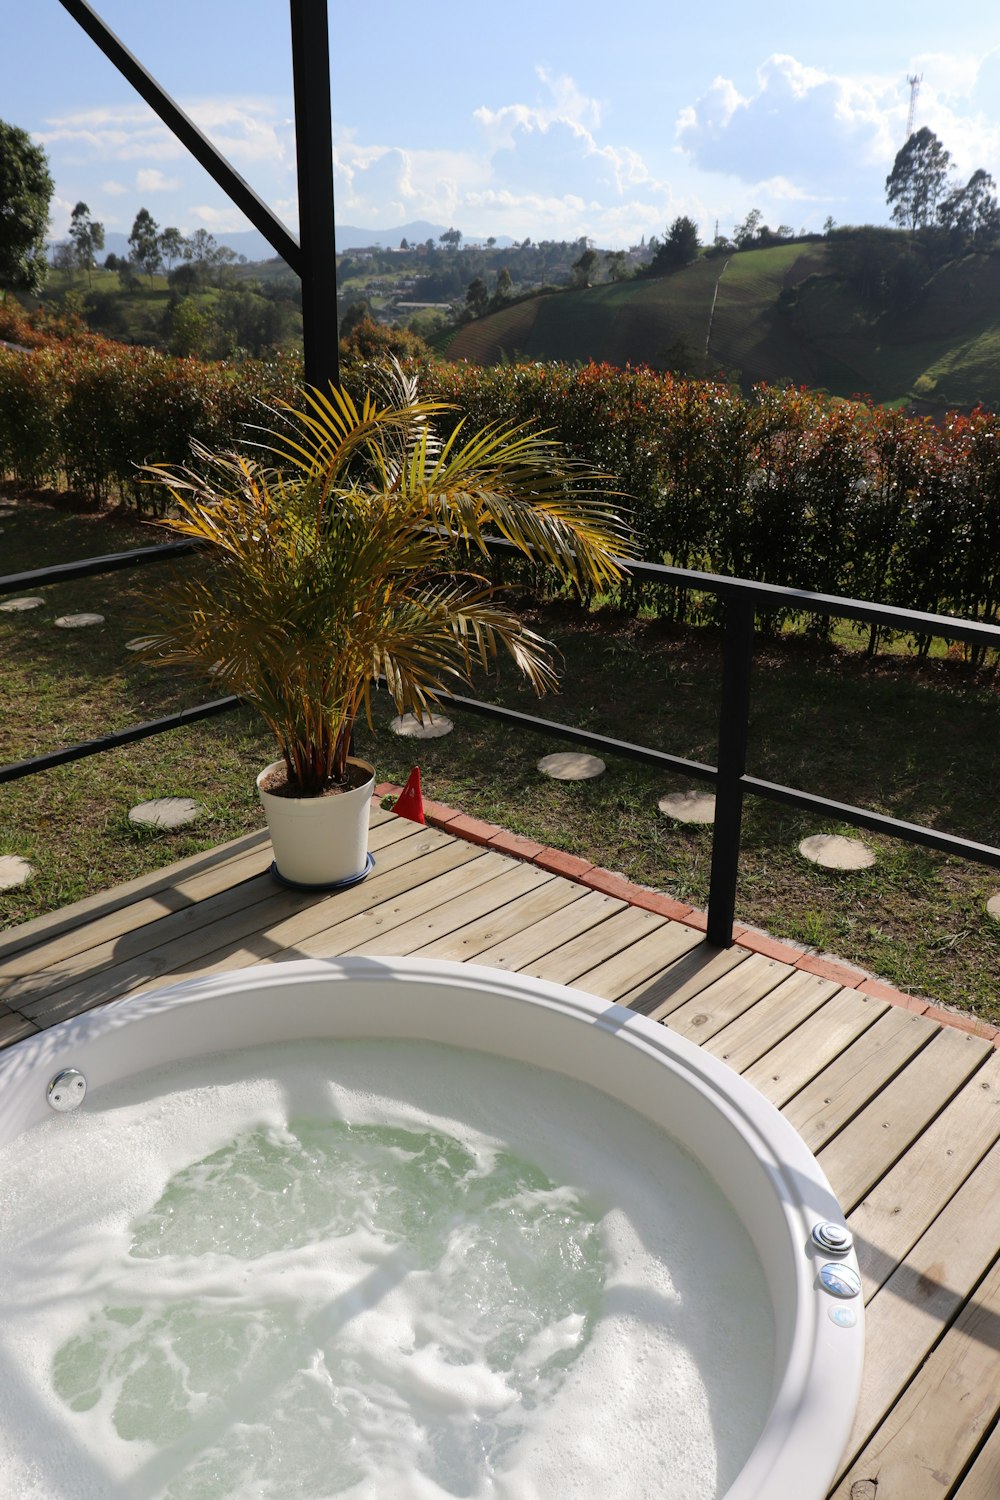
{"points": [[778, 314]]}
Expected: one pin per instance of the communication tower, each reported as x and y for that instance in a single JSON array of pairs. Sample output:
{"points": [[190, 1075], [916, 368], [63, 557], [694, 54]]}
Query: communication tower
{"points": [[914, 80]]}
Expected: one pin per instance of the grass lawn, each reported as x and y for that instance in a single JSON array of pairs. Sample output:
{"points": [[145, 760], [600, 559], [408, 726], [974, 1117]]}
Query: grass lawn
{"points": [[917, 741]]}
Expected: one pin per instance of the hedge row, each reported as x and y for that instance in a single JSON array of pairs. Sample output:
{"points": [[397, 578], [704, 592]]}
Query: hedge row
{"points": [[87, 412], [783, 485]]}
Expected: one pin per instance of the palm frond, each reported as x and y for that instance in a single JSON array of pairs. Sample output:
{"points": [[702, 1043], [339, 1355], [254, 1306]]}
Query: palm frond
{"points": [[336, 564]]}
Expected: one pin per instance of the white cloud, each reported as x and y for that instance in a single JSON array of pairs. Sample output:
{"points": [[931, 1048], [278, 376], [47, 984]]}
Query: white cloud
{"points": [[818, 137], [224, 219], [247, 130], [152, 180], [243, 129], [543, 168], [122, 133], [113, 189], [802, 126]]}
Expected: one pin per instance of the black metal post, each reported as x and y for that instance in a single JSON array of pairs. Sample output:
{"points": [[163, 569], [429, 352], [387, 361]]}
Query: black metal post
{"points": [[314, 153], [734, 715]]}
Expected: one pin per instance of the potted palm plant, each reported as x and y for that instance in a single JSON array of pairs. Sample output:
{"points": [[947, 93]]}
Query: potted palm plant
{"points": [[340, 554]]}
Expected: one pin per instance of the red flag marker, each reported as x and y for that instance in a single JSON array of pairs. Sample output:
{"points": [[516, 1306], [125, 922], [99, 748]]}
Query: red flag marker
{"points": [[410, 802]]}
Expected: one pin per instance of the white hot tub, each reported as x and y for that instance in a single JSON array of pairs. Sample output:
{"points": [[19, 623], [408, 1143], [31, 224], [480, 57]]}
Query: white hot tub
{"points": [[623, 1145]]}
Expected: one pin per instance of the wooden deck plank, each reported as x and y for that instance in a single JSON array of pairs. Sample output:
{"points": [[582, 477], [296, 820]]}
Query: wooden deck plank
{"points": [[891, 1218], [726, 998], [13, 1026], [844, 1086], [909, 1313], [688, 976], [177, 887], [933, 1430], [646, 956], [983, 1480], [793, 1062], [327, 928], [51, 966], [573, 957], [522, 948], [879, 1134], [312, 931], [113, 925], [232, 916], [400, 868], [406, 928], [68, 918], [473, 938], [745, 1039]]}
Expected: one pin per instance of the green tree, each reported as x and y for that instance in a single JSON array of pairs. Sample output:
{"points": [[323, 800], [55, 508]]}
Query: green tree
{"points": [[617, 264], [172, 244], [584, 267], [192, 330], [200, 252], [223, 260], [679, 249], [354, 314], [917, 180], [25, 193], [972, 210], [87, 236], [144, 243], [744, 234], [452, 238], [504, 288], [477, 297]]}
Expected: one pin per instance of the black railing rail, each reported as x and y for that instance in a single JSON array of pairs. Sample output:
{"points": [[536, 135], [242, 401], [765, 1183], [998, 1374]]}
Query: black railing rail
{"points": [[88, 567], [742, 597]]}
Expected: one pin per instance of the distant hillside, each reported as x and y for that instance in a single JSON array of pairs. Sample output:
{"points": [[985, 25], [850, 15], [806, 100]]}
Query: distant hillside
{"points": [[780, 314]]}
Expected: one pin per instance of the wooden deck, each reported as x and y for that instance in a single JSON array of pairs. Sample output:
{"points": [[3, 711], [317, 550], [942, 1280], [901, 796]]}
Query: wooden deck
{"points": [[903, 1113]]}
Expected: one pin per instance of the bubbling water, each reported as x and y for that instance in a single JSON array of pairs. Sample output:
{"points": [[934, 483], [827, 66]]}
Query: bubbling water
{"points": [[369, 1270]]}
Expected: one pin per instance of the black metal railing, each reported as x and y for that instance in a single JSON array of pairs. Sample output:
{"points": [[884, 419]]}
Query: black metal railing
{"points": [[743, 600]]}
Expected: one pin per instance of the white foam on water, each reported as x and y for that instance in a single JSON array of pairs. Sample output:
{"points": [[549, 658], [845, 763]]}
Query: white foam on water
{"points": [[369, 1270]]}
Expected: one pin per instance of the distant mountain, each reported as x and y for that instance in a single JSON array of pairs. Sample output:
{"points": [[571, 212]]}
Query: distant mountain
{"points": [[349, 237]]}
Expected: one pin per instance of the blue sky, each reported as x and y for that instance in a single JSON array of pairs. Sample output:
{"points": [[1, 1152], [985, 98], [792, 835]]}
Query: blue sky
{"points": [[531, 117]]}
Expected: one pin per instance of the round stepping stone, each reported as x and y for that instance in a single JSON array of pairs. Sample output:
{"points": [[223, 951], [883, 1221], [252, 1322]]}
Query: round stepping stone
{"points": [[834, 852], [993, 906], [571, 765], [14, 871], [689, 807], [78, 622], [15, 606], [165, 812], [411, 728]]}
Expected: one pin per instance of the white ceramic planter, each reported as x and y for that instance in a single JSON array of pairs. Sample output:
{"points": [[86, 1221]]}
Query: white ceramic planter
{"points": [[319, 840]]}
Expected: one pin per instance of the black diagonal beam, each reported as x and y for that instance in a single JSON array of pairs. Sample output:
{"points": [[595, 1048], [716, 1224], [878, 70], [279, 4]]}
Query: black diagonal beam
{"points": [[187, 132], [314, 262], [314, 154]]}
